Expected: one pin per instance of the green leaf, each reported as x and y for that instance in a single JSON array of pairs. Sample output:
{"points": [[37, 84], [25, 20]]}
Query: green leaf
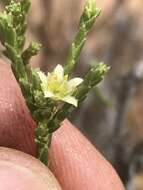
{"points": [[94, 76]]}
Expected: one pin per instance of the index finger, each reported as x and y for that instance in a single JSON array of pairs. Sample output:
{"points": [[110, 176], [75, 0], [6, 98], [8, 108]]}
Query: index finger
{"points": [[78, 165]]}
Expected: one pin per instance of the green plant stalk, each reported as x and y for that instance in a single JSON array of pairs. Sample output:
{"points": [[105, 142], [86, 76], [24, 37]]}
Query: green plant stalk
{"points": [[9, 41], [87, 20], [43, 141], [43, 136]]}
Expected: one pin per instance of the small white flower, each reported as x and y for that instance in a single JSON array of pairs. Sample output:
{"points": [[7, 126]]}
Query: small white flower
{"points": [[56, 85]]}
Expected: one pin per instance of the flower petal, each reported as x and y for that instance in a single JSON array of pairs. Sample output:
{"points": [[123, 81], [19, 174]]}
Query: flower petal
{"points": [[70, 100], [48, 94], [73, 83], [59, 72], [42, 76]]}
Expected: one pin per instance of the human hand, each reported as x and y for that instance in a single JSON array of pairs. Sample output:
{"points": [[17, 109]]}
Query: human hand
{"points": [[76, 164]]}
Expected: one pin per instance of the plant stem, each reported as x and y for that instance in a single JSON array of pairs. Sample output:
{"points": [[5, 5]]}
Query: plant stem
{"points": [[88, 18], [43, 141]]}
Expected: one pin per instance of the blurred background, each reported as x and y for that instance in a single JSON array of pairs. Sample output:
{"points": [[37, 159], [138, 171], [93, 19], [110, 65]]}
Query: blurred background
{"points": [[112, 115]]}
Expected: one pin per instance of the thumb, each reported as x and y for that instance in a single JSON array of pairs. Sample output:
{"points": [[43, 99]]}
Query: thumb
{"points": [[22, 171]]}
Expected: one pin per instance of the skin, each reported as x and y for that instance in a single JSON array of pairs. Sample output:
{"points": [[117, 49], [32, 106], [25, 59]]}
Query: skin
{"points": [[74, 161], [20, 171]]}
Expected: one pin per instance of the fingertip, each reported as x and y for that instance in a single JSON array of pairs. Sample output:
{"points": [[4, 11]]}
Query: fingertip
{"points": [[78, 165]]}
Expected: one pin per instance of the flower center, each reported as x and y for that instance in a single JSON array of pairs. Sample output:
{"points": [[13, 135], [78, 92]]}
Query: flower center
{"points": [[56, 85]]}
